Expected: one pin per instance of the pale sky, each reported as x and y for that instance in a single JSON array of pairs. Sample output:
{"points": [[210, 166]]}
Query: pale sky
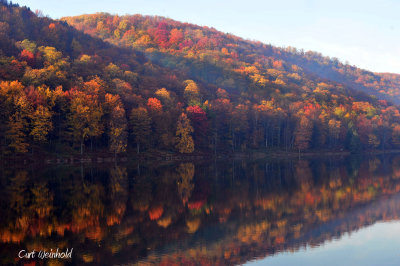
{"points": [[364, 33]]}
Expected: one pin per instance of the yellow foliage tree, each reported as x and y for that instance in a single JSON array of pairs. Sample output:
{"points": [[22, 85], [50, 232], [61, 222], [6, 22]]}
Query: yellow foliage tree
{"points": [[192, 93], [42, 124], [85, 117], [184, 140], [165, 96], [118, 132]]}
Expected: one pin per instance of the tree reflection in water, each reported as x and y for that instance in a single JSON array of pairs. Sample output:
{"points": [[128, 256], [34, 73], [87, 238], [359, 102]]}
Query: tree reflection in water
{"points": [[192, 212]]}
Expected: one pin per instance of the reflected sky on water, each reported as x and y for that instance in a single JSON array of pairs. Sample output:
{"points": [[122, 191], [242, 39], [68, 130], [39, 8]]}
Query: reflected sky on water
{"points": [[378, 244]]}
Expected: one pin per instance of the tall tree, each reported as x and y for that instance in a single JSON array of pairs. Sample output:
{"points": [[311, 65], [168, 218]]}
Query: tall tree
{"points": [[199, 121], [85, 117], [16, 133], [140, 124], [184, 139], [118, 134], [303, 133], [116, 123], [41, 123]]}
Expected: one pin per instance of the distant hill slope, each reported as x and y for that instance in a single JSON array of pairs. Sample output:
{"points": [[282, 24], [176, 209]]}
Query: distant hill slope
{"points": [[148, 83], [189, 40]]}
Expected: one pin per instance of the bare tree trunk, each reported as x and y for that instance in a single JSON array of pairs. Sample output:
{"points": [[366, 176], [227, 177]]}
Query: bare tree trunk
{"points": [[215, 143], [233, 141]]}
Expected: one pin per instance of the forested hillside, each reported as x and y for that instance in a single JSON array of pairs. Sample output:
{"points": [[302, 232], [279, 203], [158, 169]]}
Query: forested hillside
{"points": [[166, 35], [135, 83]]}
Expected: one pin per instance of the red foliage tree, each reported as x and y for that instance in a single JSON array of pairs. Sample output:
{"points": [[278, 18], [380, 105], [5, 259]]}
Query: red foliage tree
{"points": [[154, 105], [176, 37], [199, 121], [28, 57], [161, 35], [186, 43]]}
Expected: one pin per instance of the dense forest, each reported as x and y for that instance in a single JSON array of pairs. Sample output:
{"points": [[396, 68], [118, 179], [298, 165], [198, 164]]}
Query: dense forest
{"points": [[139, 83]]}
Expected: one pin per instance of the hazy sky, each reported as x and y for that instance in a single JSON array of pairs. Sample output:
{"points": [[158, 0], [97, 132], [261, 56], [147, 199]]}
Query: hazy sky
{"points": [[364, 33]]}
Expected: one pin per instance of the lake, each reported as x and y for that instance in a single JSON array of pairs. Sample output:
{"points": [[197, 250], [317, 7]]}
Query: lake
{"points": [[317, 211]]}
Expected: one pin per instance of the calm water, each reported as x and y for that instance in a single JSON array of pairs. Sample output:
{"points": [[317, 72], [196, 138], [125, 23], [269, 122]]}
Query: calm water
{"points": [[333, 211]]}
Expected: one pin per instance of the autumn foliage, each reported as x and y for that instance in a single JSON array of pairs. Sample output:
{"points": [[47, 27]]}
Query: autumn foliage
{"points": [[166, 85]]}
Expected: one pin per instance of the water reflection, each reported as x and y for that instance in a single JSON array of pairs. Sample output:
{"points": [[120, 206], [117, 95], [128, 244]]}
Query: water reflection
{"points": [[214, 213], [377, 244]]}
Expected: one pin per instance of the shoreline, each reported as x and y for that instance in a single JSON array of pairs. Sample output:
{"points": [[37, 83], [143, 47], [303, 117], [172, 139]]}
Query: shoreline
{"points": [[165, 156]]}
